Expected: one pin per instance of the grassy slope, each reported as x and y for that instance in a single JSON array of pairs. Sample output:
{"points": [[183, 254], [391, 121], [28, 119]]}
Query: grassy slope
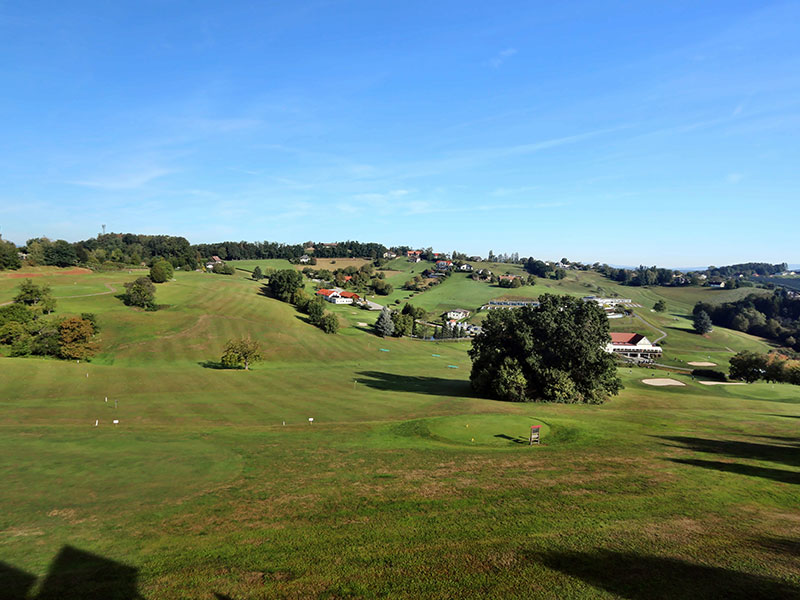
{"points": [[204, 490]]}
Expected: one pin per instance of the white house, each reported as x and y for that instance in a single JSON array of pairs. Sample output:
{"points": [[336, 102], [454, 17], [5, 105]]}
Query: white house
{"points": [[457, 314], [389, 254], [305, 259], [465, 267], [633, 345], [716, 284]]}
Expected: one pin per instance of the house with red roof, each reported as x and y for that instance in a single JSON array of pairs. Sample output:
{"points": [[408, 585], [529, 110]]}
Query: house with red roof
{"points": [[338, 296], [633, 345], [443, 265]]}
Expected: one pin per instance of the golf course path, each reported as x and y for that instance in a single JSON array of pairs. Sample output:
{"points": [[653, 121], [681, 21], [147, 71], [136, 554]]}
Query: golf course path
{"points": [[663, 333]]}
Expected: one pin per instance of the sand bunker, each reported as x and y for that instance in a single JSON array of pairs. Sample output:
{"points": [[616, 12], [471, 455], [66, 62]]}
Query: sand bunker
{"points": [[662, 382], [361, 324], [721, 383], [702, 364]]}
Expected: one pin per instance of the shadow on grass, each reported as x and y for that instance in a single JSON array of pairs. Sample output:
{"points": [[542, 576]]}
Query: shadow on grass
{"points": [[778, 453], [215, 364], [73, 574], [642, 577], [517, 440], [780, 475], [435, 386], [780, 545], [785, 416]]}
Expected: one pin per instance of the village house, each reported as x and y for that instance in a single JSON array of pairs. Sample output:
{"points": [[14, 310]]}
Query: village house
{"points": [[444, 265], [215, 260], [338, 296], [508, 277], [633, 345], [716, 283], [305, 259], [457, 314], [389, 255], [465, 267], [414, 255]]}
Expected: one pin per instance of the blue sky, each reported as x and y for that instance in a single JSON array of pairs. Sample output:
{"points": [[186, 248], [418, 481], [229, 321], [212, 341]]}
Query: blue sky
{"points": [[656, 132]]}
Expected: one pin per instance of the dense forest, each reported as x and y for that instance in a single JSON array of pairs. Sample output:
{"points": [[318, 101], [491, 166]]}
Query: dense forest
{"points": [[776, 316]]}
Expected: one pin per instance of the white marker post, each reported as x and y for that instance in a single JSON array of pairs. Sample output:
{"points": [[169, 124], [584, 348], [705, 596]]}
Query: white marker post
{"points": [[115, 421], [96, 421], [311, 420]]}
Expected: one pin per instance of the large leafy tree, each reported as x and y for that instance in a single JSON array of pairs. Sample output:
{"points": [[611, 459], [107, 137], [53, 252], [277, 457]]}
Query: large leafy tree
{"points": [[241, 352], [283, 284], [36, 296], [554, 352], [75, 338], [141, 292], [161, 271], [9, 256]]}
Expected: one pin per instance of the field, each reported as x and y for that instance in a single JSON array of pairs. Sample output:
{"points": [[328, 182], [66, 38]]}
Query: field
{"points": [[215, 485]]}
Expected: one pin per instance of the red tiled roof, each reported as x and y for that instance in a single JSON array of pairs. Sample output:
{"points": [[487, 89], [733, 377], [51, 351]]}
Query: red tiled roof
{"points": [[348, 277], [349, 295], [325, 292], [629, 339]]}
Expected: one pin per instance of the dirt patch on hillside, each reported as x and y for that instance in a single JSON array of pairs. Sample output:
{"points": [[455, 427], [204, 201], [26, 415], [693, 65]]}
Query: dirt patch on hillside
{"points": [[75, 271], [701, 364], [662, 382]]}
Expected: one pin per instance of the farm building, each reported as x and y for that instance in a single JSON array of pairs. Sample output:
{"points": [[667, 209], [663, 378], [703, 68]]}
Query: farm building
{"points": [[465, 267], [633, 345], [305, 259], [389, 255]]}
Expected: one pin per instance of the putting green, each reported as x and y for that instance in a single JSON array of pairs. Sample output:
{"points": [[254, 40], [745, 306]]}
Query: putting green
{"points": [[501, 431]]}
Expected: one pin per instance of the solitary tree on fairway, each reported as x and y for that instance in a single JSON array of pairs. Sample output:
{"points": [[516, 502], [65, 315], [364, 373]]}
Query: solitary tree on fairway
{"points": [[257, 273], [161, 271], [75, 338], [660, 306], [384, 326], [242, 351], [554, 352], [702, 323], [141, 292]]}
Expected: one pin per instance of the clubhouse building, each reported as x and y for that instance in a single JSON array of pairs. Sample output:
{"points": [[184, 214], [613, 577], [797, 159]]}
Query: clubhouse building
{"points": [[633, 345]]}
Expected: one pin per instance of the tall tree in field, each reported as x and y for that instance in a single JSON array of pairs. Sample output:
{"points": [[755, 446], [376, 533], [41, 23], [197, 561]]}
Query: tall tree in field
{"points": [[241, 352], [36, 296], [283, 284], [75, 338], [660, 306], [9, 256], [161, 271], [384, 326], [702, 322], [554, 352], [257, 273], [141, 292]]}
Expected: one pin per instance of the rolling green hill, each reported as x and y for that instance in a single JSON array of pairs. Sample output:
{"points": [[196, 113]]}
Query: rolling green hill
{"points": [[405, 485]]}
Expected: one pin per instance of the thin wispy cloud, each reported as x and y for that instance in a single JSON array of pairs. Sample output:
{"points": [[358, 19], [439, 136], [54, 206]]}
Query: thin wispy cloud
{"points": [[501, 57], [124, 181]]}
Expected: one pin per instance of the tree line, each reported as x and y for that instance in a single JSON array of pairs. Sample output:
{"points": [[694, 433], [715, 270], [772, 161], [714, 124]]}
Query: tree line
{"points": [[775, 316]]}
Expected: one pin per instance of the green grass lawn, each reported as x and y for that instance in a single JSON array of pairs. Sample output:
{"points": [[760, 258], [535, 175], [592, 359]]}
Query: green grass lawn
{"points": [[215, 485]]}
